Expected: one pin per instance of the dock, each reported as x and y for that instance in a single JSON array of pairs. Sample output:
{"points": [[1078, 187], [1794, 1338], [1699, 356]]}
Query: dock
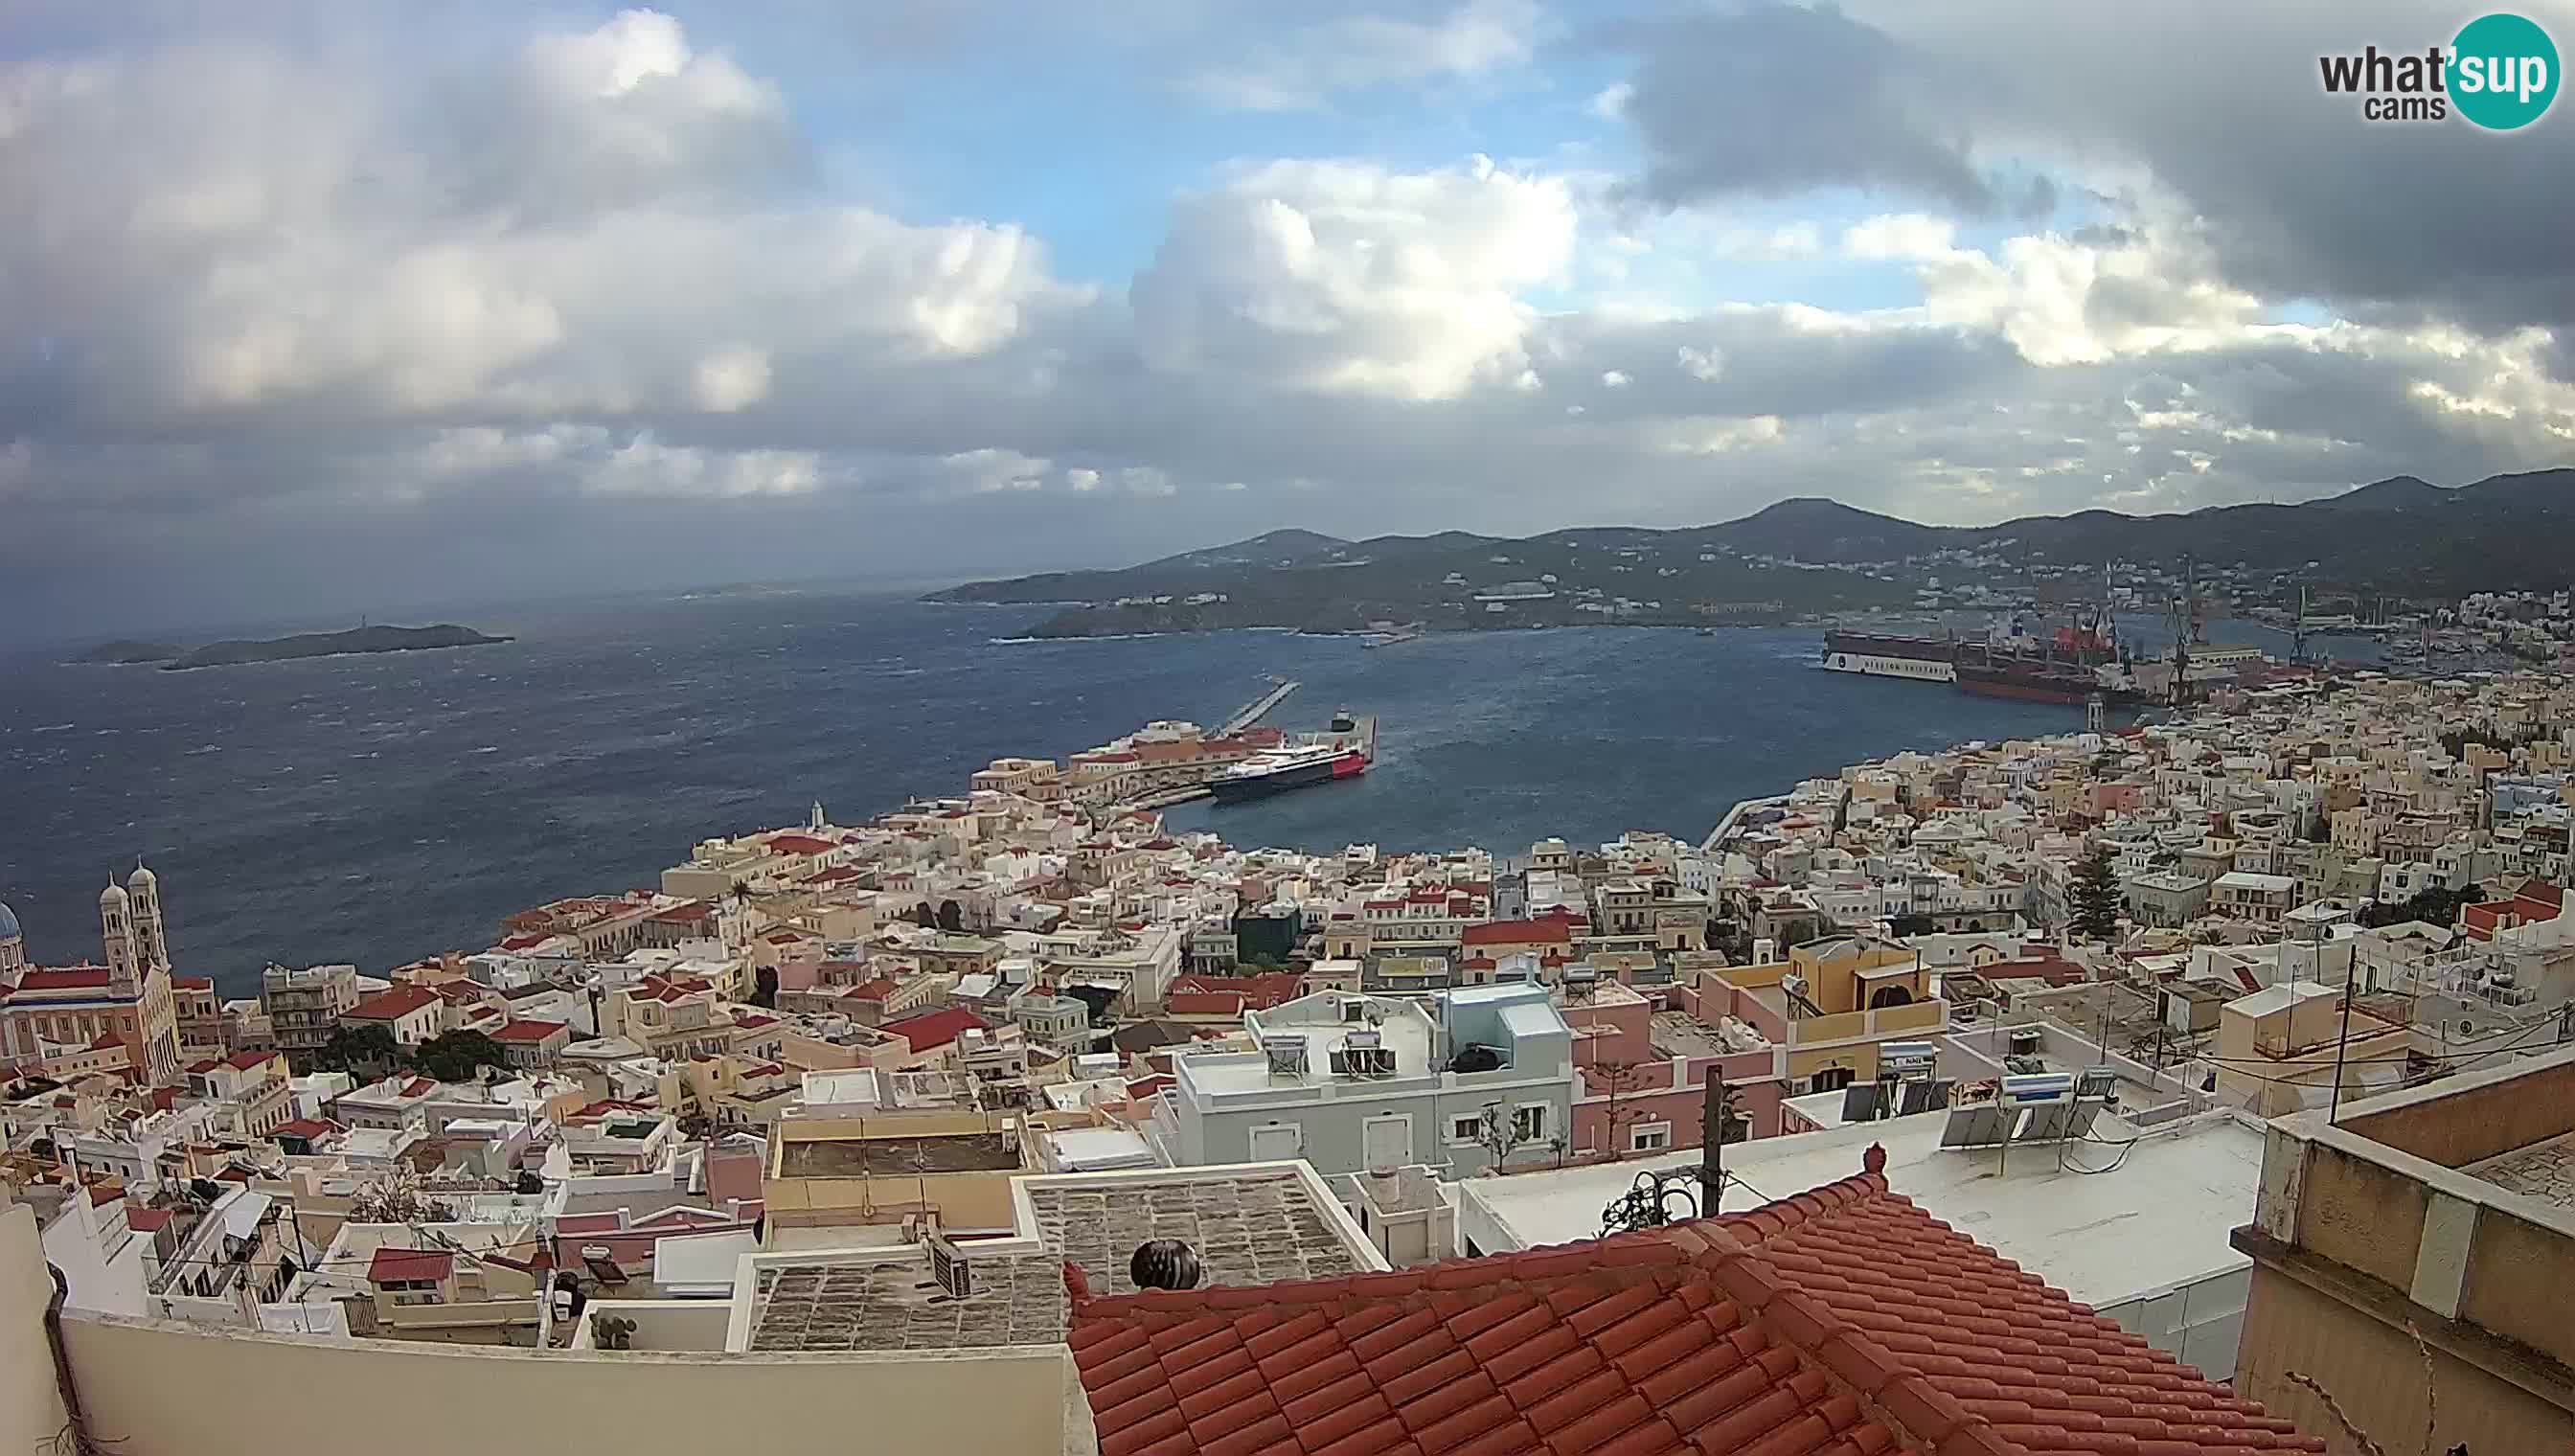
{"points": [[1258, 708], [1725, 829]]}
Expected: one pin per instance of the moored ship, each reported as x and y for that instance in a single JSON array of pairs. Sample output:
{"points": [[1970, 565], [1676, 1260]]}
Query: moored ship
{"points": [[1284, 769], [1343, 751], [1879, 654], [2042, 681]]}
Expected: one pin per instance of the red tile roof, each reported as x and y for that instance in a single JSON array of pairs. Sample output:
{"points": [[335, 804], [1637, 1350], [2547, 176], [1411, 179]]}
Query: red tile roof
{"points": [[800, 844], [1203, 1003], [531, 1031], [934, 1029], [391, 1264], [192, 983], [1518, 932], [2048, 966], [65, 978], [392, 1005], [242, 1061], [1844, 1321]]}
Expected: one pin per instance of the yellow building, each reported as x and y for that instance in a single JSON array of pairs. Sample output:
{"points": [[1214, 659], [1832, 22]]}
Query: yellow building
{"points": [[1829, 1005], [2279, 1049]]}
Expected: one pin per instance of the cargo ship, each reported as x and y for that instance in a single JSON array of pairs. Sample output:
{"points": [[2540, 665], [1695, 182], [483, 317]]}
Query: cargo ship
{"points": [[2042, 681], [2070, 662], [1344, 751]]}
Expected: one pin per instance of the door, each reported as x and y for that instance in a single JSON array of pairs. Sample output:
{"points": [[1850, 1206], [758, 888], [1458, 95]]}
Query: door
{"points": [[1386, 1141], [1275, 1142]]}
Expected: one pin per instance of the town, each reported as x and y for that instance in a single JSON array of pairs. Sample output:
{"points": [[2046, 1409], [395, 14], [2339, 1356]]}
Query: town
{"points": [[2225, 1052]]}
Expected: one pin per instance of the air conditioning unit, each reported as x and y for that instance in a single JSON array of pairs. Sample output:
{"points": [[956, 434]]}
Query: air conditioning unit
{"points": [[949, 1268]]}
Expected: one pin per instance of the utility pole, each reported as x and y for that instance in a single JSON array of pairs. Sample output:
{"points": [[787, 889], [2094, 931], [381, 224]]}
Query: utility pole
{"points": [[1716, 1112], [2342, 1045]]}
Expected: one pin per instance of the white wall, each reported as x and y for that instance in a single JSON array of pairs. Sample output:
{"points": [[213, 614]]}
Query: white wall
{"points": [[31, 1413], [2199, 1323], [110, 1281]]}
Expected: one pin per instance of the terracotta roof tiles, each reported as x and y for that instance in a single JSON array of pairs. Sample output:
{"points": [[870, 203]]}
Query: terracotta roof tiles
{"points": [[1842, 1322]]}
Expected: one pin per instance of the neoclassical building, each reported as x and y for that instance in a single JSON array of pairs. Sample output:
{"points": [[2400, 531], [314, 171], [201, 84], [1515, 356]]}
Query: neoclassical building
{"points": [[50, 1010]]}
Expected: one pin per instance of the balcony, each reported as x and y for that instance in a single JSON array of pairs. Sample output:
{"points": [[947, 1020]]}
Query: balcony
{"points": [[1914, 1018]]}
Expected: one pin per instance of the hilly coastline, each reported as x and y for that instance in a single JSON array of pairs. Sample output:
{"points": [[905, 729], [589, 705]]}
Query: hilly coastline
{"points": [[1799, 559]]}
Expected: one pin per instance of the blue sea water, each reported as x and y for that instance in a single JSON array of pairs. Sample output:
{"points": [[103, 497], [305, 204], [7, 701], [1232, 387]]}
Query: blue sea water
{"points": [[379, 808]]}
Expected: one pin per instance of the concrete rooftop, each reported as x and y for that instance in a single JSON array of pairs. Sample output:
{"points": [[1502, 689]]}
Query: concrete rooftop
{"points": [[2161, 1220]]}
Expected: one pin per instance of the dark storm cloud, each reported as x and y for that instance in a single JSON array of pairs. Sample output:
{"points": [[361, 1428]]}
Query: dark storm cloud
{"points": [[2218, 102], [1776, 99]]}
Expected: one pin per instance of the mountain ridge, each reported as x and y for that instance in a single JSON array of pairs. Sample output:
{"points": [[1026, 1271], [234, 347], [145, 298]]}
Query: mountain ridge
{"points": [[2495, 533]]}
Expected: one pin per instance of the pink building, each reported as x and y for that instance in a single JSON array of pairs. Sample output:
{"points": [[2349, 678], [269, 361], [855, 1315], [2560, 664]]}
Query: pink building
{"points": [[1642, 1076], [2114, 797]]}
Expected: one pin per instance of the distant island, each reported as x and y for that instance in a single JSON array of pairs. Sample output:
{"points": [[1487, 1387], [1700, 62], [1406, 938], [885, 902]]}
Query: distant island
{"points": [[286, 648], [127, 654], [1809, 558]]}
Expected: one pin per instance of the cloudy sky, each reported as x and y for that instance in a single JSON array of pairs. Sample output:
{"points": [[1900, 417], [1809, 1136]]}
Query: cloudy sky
{"points": [[317, 307]]}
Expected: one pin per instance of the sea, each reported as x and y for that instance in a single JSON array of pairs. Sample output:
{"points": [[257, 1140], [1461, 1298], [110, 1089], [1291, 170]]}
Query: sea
{"points": [[375, 809]]}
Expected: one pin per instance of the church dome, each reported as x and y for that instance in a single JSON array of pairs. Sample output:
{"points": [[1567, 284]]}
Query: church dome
{"points": [[114, 894], [142, 878], [8, 924]]}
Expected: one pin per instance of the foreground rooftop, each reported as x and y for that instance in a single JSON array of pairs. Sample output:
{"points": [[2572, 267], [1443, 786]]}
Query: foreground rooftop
{"points": [[1251, 1224], [1842, 1320]]}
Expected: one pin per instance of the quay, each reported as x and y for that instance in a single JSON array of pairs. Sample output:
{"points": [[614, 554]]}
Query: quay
{"points": [[1258, 708]]}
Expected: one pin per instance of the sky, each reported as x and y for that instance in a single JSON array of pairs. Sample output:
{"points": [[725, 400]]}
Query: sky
{"points": [[313, 310]]}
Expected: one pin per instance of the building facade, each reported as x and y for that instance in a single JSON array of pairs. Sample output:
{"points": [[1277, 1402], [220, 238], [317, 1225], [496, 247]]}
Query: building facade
{"points": [[127, 1001], [1355, 1083], [305, 1005]]}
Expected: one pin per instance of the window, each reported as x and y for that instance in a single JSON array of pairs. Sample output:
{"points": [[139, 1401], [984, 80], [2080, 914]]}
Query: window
{"points": [[1465, 1131], [1649, 1137], [1528, 1121]]}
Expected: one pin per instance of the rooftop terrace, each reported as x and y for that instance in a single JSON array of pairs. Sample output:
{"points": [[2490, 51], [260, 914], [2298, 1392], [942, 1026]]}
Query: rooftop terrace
{"points": [[1256, 1224]]}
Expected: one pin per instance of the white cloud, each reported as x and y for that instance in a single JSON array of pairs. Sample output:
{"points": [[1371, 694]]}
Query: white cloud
{"points": [[1616, 379], [1309, 67], [230, 228], [644, 466], [1906, 237], [1344, 277], [733, 379], [1609, 103]]}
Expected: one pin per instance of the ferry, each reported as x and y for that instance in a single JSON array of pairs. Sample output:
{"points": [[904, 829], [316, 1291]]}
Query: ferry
{"points": [[1281, 769], [1344, 751]]}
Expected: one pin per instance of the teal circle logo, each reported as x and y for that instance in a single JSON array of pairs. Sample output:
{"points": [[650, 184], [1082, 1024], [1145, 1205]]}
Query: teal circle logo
{"points": [[2503, 72]]}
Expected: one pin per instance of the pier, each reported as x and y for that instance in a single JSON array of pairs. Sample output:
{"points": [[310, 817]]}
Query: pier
{"points": [[1258, 708], [1725, 829]]}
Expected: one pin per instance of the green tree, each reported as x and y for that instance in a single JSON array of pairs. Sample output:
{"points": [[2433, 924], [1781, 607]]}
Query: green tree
{"points": [[2095, 894], [457, 1055], [952, 916], [765, 992], [363, 1051]]}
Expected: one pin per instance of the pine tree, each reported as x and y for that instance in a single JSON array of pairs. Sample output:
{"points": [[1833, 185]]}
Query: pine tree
{"points": [[2095, 894]]}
